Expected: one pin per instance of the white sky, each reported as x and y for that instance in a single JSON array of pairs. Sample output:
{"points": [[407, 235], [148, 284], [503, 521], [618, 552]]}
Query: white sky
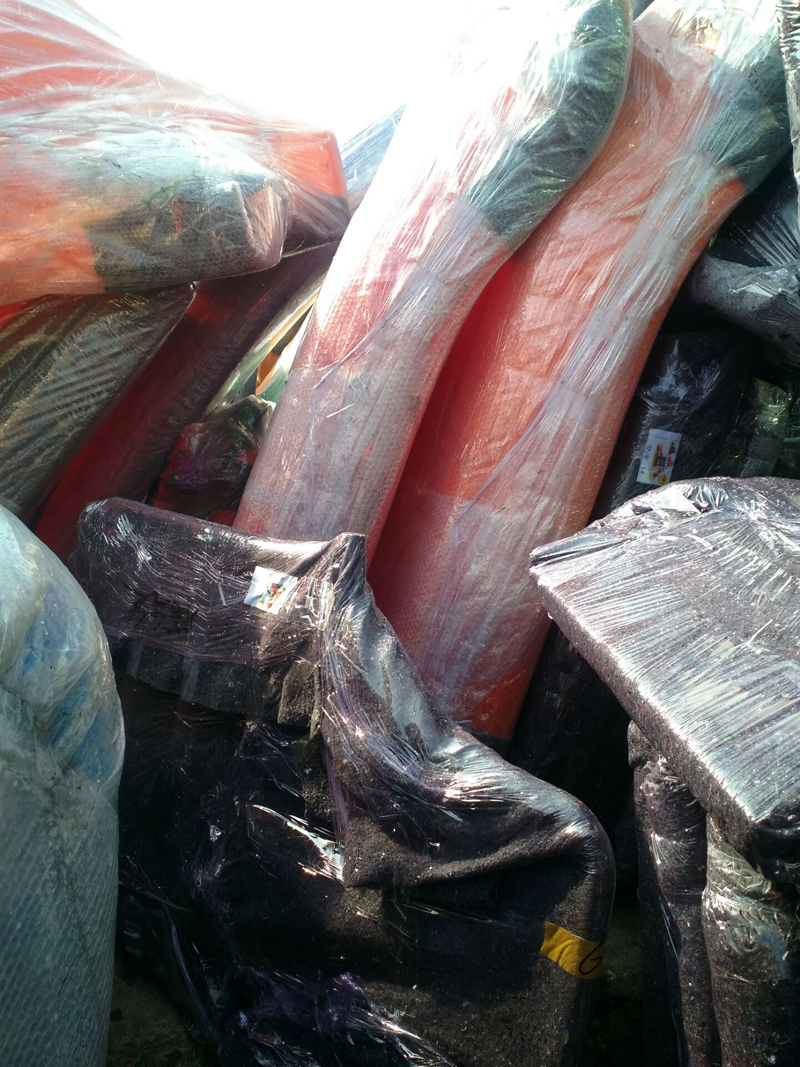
{"points": [[340, 65]]}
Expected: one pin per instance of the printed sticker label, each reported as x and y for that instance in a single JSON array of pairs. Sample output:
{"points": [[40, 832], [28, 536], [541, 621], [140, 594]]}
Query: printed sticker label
{"points": [[269, 589], [658, 458]]}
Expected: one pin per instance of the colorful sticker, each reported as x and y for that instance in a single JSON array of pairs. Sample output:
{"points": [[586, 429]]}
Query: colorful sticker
{"points": [[658, 458], [269, 589], [573, 954]]}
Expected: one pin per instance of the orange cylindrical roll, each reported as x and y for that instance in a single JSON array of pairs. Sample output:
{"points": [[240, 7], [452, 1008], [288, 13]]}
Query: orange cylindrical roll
{"points": [[518, 433]]}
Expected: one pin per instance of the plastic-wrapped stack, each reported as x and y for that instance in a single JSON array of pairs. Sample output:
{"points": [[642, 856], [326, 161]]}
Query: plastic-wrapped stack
{"points": [[60, 763], [518, 434], [685, 602], [315, 860], [528, 97]]}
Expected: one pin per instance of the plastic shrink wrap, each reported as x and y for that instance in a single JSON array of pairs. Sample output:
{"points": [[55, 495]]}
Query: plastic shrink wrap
{"points": [[685, 603], [519, 432], [789, 25], [63, 362], [671, 834], [205, 362], [788, 465], [61, 755], [117, 176], [211, 460], [479, 158], [572, 730], [750, 274], [322, 867]]}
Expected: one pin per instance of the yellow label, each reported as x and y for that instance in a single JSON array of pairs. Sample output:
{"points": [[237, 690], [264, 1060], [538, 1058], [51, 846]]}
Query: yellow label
{"points": [[583, 959]]}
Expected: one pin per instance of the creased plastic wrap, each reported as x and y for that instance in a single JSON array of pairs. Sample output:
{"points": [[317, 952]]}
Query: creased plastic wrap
{"points": [[63, 363], [117, 176], [479, 158], [210, 463], [750, 275], [685, 603], [789, 25], [518, 434], [322, 867], [60, 757], [128, 450], [671, 833]]}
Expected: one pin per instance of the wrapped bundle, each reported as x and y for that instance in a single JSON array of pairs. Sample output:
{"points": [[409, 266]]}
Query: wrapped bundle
{"points": [[478, 160], [750, 274], [519, 432], [684, 602], [63, 363], [211, 461], [671, 834], [130, 447], [61, 758], [117, 176], [316, 861], [789, 25]]}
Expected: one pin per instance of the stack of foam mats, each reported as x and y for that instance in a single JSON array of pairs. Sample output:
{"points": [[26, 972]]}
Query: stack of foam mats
{"points": [[60, 764], [478, 160], [321, 867], [750, 275], [211, 461], [209, 362], [685, 603], [571, 730], [517, 437]]}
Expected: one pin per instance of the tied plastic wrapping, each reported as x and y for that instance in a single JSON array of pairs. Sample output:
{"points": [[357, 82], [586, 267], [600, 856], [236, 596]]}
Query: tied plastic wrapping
{"points": [[479, 158], [207, 362], [63, 362], [572, 730], [117, 176], [322, 867], [210, 463], [685, 603], [517, 436], [61, 756], [750, 275], [671, 835]]}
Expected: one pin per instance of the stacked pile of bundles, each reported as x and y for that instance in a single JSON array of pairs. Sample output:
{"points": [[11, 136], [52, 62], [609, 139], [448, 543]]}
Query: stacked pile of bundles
{"points": [[281, 431]]}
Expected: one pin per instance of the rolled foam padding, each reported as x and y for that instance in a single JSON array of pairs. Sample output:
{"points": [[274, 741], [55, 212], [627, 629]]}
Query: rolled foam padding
{"points": [[517, 437], [477, 162]]}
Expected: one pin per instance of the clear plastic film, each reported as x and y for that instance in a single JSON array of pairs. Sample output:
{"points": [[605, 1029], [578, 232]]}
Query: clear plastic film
{"points": [[518, 434], [481, 155], [117, 176], [750, 274], [322, 867], [789, 26], [671, 836], [207, 469], [685, 602], [61, 757], [63, 363]]}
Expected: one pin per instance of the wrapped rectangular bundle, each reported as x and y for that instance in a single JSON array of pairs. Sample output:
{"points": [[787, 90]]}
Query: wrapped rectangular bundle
{"points": [[117, 176], [322, 868], [479, 159], [750, 275], [685, 603], [63, 363], [60, 763], [517, 437]]}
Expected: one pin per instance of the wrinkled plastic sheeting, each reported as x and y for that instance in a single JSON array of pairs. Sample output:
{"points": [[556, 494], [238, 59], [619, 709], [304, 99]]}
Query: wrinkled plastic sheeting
{"points": [[211, 461], [671, 837], [789, 26], [117, 176], [685, 603], [479, 158], [63, 363], [517, 436], [321, 866], [61, 757], [362, 155], [750, 274], [572, 730]]}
